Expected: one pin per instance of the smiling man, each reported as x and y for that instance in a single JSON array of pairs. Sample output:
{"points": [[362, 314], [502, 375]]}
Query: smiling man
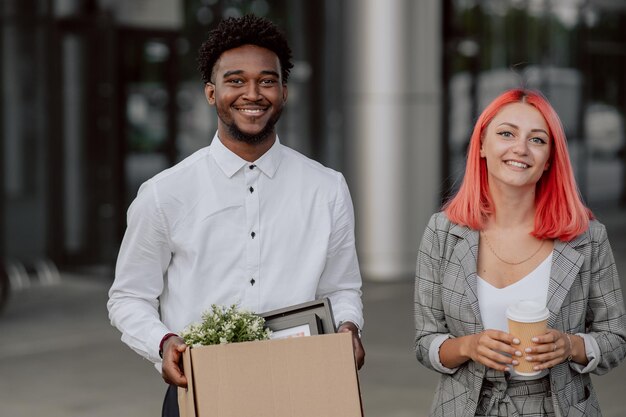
{"points": [[249, 93], [245, 220]]}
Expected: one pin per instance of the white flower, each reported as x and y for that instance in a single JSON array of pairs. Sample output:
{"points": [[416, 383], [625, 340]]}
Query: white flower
{"points": [[223, 324]]}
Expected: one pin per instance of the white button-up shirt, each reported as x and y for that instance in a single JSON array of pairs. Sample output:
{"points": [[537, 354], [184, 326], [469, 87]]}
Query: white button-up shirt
{"points": [[215, 229]]}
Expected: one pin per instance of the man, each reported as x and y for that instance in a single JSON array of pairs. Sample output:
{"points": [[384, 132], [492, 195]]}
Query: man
{"points": [[245, 220]]}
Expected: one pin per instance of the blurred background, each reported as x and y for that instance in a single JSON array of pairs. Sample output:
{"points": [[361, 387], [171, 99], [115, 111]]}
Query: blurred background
{"points": [[100, 95]]}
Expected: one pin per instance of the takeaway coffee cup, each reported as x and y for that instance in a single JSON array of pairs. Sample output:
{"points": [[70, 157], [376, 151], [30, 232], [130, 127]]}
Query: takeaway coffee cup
{"points": [[527, 319]]}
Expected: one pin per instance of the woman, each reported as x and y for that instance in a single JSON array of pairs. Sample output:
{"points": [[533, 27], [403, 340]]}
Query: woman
{"points": [[517, 229]]}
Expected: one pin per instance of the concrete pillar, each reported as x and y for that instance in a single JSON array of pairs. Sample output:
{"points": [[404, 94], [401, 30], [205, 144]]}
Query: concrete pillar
{"points": [[393, 133], [425, 142]]}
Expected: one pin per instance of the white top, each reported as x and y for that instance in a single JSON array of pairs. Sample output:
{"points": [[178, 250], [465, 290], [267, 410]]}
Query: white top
{"points": [[494, 301], [217, 229]]}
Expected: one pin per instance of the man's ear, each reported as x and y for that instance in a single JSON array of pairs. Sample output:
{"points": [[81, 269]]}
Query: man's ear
{"points": [[209, 93], [285, 93]]}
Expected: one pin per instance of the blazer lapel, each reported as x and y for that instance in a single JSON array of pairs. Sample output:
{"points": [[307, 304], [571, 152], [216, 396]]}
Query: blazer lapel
{"points": [[466, 251], [566, 263]]}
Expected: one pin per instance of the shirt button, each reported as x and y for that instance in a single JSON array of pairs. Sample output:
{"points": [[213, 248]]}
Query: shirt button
{"points": [[252, 281], [253, 235], [251, 189], [252, 166]]}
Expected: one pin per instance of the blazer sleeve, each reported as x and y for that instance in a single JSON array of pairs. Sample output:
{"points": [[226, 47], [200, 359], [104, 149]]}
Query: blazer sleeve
{"points": [[606, 316], [430, 319]]}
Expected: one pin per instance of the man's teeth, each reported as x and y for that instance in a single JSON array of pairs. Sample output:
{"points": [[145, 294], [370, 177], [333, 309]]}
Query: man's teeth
{"points": [[516, 164], [251, 111]]}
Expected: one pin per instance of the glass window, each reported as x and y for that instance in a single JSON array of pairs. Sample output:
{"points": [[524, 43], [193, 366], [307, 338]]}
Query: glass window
{"points": [[572, 51]]}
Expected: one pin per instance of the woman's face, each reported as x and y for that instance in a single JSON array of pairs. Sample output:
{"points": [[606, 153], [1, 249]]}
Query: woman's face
{"points": [[516, 146]]}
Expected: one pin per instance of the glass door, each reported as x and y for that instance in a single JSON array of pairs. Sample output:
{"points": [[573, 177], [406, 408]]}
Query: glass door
{"points": [[148, 79]]}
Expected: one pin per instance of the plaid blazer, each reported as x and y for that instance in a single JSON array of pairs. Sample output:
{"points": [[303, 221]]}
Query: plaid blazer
{"points": [[584, 296]]}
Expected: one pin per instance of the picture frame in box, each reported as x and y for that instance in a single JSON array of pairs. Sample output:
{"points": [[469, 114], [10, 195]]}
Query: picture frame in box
{"points": [[305, 319]]}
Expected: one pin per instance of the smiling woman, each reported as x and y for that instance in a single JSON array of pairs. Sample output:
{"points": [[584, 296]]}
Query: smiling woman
{"points": [[516, 148], [517, 230], [562, 213]]}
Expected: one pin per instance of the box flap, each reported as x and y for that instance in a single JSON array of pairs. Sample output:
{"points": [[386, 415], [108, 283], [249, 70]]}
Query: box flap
{"points": [[186, 399]]}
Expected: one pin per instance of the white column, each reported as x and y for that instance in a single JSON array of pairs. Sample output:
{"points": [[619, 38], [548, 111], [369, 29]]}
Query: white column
{"points": [[392, 109]]}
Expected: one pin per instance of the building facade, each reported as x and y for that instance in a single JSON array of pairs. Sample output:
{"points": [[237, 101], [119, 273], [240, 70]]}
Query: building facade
{"points": [[99, 95]]}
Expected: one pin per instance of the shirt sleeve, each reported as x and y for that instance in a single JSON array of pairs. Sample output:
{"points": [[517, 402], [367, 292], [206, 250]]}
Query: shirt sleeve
{"points": [[143, 259], [433, 353], [592, 350], [341, 279]]}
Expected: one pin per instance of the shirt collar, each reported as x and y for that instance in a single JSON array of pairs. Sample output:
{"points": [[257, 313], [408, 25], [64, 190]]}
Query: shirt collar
{"points": [[230, 163]]}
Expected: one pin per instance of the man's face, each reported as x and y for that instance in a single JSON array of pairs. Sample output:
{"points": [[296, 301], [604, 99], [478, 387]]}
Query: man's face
{"points": [[248, 93]]}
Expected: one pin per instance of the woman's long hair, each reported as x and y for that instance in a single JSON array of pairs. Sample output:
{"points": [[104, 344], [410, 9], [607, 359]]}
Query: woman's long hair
{"points": [[560, 212]]}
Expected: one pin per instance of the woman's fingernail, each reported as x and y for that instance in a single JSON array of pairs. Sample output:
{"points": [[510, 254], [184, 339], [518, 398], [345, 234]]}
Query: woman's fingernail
{"points": [[518, 353], [516, 341], [528, 350], [536, 368], [529, 358], [535, 339], [515, 362]]}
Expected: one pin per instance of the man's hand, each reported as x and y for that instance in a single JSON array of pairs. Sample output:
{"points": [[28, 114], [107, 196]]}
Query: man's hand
{"points": [[172, 372], [359, 352]]}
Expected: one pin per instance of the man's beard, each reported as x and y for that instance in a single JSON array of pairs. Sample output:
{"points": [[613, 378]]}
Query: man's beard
{"points": [[255, 138]]}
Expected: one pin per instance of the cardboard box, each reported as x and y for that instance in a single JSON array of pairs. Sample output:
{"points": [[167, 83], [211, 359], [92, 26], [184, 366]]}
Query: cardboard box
{"points": [[298, 377]]}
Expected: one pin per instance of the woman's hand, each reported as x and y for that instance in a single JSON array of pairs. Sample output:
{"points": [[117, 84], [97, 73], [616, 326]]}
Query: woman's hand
{"points": [[553, 348], [488, 348]]}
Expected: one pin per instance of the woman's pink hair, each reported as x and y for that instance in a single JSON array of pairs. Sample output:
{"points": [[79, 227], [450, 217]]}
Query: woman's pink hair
{"points": [[560, 212]]}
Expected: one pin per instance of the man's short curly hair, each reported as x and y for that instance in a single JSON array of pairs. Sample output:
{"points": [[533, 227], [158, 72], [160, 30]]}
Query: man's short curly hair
{"points": [[247, 30]]}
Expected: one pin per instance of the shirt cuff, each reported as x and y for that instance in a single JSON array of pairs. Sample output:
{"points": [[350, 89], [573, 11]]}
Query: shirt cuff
{"points": [[433, 354], [348, 316], [358, 328], [154, 341], [592, 350]]}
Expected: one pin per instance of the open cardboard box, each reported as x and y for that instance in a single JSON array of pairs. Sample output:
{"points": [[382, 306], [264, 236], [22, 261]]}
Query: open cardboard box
{"points": [[297, 377]]}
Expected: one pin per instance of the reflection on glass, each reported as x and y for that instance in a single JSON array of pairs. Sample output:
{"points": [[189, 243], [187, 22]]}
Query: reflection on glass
{"points": [[146, 117], [572, 51]]}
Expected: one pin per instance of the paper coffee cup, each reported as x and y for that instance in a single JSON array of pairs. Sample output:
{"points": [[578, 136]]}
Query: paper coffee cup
{"points": [[527, 319]]}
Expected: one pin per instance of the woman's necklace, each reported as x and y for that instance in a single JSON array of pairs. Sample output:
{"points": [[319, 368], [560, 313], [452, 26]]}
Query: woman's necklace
{"points": [[507, 262]]}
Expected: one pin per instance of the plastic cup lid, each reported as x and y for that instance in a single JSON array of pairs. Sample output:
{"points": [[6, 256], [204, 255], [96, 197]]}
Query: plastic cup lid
{"points": [[527, 311]]}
